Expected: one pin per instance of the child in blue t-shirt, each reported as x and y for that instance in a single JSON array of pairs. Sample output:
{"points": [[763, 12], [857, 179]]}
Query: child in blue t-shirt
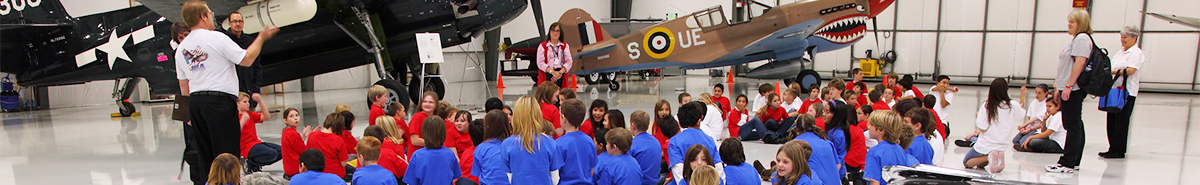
{"points": [[888, 128], [792, 168], [645, 148], [620, 168], [529, 152], [433, 164], [490, 160], [737, 171], [923, 130], [690, 115], [312, 162], [368, 154], [823, 162], [575, 147]]}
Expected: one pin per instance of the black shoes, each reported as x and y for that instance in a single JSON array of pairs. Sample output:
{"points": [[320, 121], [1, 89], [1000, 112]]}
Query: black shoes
{"points": [[963, 143], [1108, 155]]}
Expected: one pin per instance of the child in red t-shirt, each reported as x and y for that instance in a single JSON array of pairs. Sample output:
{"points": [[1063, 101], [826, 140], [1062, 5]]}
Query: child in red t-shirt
{"points": [[256, 152], [347, 138], [329, 141], [547, 96], [378, 96], [428, 104], [719, 99], [389, 157], [293, 142], [738, 116], [448, 112], [464, 145], [814, 96]]}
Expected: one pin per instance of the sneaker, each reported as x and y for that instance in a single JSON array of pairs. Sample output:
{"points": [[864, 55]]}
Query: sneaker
{"points": [[1058, 168], [963, 143], [995, 161]]}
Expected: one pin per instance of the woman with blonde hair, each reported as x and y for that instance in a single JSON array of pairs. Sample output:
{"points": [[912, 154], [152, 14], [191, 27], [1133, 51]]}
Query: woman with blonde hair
{"points": [[1070, 65], [528, 150], [713, 124]]}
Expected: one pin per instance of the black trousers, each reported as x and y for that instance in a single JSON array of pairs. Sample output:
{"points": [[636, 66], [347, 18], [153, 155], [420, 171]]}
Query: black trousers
{"points": [[1118, 128], [214, 120], [191, 156], [1072, 110], [1041, 145]]}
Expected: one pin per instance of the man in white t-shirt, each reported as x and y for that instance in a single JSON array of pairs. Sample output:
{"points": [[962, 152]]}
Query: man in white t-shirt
{"points": [[204, 65]]}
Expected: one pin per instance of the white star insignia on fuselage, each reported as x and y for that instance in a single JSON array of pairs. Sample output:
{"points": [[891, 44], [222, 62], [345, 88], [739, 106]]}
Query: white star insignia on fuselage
{"points": [[114, 47]]}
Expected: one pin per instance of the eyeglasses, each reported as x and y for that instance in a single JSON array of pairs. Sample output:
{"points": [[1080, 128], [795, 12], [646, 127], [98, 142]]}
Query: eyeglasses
{"points": [[236, 21]]}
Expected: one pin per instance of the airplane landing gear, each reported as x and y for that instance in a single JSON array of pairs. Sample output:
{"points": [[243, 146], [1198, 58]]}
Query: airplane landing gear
{"points": [[122, 92], [614, 85]]}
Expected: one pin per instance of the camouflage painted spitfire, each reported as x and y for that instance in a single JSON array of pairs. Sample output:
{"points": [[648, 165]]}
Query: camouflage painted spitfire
{"points": [[705, 39]]}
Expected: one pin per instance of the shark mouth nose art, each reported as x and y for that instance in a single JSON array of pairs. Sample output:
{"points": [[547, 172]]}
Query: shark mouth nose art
{"points": [[844, 30]]}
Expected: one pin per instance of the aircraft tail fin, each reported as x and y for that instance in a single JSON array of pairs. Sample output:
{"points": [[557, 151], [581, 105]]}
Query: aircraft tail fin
{"points": [[579, 29]]}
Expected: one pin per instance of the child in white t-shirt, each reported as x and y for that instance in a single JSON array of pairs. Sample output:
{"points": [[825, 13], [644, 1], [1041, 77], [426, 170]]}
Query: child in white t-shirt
{"points": [[994, 122], [1051, 139], [1035, 116]]}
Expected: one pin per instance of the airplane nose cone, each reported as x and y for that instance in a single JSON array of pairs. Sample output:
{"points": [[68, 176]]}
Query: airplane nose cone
{"points": [[877, 6]]}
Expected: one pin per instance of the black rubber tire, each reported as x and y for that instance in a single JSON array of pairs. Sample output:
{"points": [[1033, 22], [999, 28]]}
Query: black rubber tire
{"points": [[592, 79], [614, 85], [126, 109], [806, 78], [434, 82], [396, 93]]}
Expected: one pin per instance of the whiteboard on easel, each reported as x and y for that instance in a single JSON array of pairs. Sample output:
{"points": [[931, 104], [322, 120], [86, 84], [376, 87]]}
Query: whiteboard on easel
{"points": [[429, 47]]}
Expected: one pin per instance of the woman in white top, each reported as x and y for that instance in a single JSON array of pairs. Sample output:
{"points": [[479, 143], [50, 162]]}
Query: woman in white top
{"points": [[554, 57], [1126, 62], [995, 120], [712, 125], [1070, 65]]}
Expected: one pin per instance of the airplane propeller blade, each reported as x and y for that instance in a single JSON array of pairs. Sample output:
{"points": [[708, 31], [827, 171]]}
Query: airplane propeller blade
{"points": [[875, 27], [537, 16]]}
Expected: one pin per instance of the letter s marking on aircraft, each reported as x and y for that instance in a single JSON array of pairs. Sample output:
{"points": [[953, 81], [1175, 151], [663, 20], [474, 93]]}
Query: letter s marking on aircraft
{"points": [[634, 53]]}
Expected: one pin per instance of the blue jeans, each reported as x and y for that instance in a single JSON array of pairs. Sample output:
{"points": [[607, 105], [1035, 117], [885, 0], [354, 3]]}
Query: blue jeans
{"points": [[1020, 138], [263, 154], [754, 130]]}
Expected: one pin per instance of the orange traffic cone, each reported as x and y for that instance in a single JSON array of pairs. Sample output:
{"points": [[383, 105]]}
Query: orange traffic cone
{"points": [[730, 79], [500, 93], [499, 81], [571, 82]]}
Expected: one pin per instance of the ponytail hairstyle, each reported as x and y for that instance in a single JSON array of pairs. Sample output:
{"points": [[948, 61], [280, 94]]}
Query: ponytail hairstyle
{"points": [[893, 126], [997, 98], [805, 123], [798, 151]]}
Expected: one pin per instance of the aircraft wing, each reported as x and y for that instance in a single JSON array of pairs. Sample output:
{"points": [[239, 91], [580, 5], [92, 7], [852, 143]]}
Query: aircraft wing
{"points": [[171, 8], [784, 44], [1186, 21]]}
